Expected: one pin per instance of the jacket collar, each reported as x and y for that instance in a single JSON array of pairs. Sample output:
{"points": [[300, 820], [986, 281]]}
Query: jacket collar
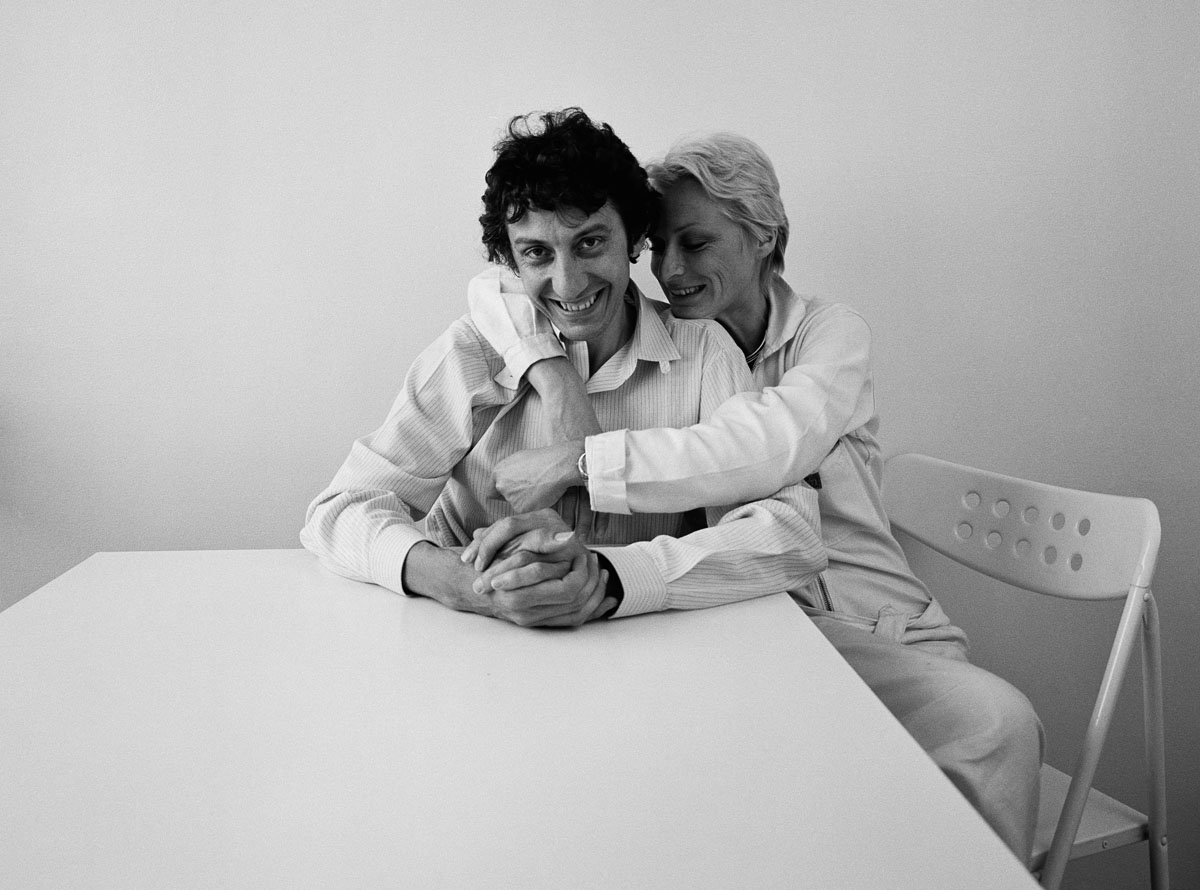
{"points": [[787, 310]]}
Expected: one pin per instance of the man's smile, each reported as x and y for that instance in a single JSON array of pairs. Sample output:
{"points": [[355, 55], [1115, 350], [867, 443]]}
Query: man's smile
{"points": [[578, 305]]}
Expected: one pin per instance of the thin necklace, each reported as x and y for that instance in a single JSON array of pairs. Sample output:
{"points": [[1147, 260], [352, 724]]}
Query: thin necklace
{"points": [[753, 357]]}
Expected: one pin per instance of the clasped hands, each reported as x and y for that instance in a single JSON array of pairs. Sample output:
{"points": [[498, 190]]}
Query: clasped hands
{"points": [[533, 571]]}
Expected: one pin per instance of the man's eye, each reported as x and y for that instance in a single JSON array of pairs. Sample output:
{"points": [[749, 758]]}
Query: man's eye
{"points": [[535, 254], [591, 243]]}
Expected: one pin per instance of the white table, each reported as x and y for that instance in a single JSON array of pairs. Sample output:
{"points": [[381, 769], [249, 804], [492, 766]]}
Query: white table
{"points": [[246, 719]]}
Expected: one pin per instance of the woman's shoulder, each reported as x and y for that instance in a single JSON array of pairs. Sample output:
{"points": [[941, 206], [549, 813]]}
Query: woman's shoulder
{"points": [[798, 314], [820, 306], [820, 316], [817, 329]]}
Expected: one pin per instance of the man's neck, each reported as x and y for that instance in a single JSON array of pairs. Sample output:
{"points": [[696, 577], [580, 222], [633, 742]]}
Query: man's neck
{"points": [[604, 347]]}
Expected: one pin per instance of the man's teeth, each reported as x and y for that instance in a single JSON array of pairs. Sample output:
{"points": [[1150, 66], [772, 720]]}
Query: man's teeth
{"points": [[580, 306]]}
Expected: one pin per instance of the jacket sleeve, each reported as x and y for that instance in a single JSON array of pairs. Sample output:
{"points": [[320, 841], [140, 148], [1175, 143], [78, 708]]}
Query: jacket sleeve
{"points": [[754, 444], [769, 545]]}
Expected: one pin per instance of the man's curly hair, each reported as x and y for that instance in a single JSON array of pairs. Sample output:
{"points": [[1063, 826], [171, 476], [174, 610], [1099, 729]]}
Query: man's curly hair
{"points": [[561, 160]]}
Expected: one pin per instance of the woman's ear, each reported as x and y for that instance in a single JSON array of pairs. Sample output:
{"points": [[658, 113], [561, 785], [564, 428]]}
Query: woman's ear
{"points": [[636, 249], [766, 248]]}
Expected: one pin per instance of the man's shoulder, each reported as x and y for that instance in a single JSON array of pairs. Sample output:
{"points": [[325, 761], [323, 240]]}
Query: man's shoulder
{"points": [[462, 332], [697, 333], [462, 346]]}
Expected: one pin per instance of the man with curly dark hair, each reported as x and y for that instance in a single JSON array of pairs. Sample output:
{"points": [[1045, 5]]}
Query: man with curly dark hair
{"points": [[560, 159], [566, 206]]}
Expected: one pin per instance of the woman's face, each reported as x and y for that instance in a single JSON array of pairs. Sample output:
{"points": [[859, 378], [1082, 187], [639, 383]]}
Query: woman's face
{"points": [[707, 265]]}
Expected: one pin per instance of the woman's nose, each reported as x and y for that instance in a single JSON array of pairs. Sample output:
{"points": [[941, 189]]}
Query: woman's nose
{"points": [[672, 262]]}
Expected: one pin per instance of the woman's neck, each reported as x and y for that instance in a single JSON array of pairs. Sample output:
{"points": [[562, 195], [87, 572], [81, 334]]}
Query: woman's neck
{"points": [[746, 322]]}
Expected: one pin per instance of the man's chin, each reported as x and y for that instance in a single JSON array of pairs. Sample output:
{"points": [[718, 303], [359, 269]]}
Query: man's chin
{"points": [[572, 329]]}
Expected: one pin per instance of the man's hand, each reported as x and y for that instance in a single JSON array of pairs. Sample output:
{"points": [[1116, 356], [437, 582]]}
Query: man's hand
{"points": [[533, 565], [526, 592], [565, 588], [538, 477]]}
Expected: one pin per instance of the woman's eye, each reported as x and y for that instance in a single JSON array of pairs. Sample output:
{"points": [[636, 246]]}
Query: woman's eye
{"points": [[695, 245]]}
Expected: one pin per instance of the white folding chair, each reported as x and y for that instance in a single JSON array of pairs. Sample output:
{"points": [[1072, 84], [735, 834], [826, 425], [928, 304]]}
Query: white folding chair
{"points": [[1064, 543]]}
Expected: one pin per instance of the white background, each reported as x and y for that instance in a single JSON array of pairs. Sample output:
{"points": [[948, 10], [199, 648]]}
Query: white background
{"points": [[227, 229]]}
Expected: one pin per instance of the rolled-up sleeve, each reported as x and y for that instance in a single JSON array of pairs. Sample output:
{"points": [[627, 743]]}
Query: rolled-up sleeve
{"points": [[511, 324]]}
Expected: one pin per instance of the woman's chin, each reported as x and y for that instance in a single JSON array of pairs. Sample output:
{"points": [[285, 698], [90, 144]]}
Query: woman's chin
{"points": [[689, 310]]}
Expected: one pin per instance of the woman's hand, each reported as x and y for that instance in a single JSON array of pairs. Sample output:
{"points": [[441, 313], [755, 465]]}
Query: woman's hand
{"points": [[540, 531], [538, 477]]}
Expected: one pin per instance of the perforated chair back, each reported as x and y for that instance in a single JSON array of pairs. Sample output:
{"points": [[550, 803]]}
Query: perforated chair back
{"points": [[1038, 537], [1065, 543]]}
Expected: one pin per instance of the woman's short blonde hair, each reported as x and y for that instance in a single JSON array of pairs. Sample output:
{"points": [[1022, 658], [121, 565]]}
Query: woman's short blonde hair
{"points": [[736, 173]]}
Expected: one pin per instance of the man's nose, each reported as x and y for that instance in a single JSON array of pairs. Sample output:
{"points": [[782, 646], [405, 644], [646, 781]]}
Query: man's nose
{"points": [[569, 280]]}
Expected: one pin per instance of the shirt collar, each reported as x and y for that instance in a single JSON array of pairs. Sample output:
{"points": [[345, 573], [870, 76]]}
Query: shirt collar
{"points": [[651, 342]]}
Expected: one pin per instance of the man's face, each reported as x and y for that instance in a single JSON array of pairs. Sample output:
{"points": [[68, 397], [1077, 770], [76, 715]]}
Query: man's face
{"points": [[576, 268]]}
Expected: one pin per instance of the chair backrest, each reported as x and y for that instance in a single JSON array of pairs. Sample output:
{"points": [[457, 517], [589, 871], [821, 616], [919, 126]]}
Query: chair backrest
{"points": [[1042, 538]]}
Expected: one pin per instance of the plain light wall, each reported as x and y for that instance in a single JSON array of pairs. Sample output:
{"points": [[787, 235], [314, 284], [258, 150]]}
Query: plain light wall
{"points": [[225, 233]]}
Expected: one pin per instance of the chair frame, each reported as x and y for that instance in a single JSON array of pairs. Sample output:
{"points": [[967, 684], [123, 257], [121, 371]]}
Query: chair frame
{"points": [[909, 478]]}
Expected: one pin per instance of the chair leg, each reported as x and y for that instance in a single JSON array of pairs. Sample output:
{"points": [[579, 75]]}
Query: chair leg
{"points": [[1152, 695], [1093, 742]]}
